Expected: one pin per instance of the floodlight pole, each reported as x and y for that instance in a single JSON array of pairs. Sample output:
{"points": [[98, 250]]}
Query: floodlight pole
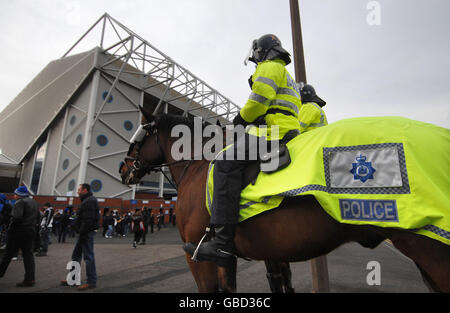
{"points": [[319, 267], [297, 40]]}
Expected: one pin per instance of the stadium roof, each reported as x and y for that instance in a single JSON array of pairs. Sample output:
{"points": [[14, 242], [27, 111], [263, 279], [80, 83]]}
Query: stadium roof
{"points": [[26, 118], [129, 57]]}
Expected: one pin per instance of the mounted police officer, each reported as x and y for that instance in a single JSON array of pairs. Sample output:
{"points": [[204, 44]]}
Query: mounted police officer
{"points": [[274, 101], [311, 114]]}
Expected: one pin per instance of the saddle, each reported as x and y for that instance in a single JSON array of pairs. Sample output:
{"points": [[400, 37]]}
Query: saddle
{"points": [[279, 157]]}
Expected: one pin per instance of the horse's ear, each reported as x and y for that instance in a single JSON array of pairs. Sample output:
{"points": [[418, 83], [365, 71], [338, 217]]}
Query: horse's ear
{"points": [[148, 117]]}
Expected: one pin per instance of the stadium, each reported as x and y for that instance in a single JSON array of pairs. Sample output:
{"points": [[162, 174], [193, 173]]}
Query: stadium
{"points": [[72, 123]]}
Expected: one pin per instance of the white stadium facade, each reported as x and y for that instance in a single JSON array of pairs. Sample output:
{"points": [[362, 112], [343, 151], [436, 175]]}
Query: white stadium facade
{"points": [[72, 123]]}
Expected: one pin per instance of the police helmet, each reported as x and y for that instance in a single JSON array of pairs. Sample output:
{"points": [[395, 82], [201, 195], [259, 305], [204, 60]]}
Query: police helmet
{"points": [[308, 94], [268, 47]]}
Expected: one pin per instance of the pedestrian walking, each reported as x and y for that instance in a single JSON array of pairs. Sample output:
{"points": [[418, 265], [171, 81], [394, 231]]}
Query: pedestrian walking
{"points": [[87, 224], [171, 214], [137, 226], [152, 221], [21, 235], [72, 220], [126, 224], [46, 229], [64, 225], [161, 217], [146, 221], [104, 224], [108, 221]]}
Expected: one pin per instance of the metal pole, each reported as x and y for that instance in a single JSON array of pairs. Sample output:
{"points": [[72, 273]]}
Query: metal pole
{"points": [[103, 32], [319, 267], [297, 40], [84, 35], [90, 116]]}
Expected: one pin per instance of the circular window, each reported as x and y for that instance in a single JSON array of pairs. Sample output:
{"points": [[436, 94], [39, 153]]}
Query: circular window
{"points": [[102, 140], [110, 99], [72, 185], [96, 185], [65, 164], [78, 139], [128, 125], [73, 120]]}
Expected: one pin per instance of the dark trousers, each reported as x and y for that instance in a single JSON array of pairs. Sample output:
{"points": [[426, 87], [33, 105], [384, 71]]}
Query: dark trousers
{"points": [[229, 176], [20, 239], [45, 238], [145, 232], [62, 234], [138, 235], [84, 247]]}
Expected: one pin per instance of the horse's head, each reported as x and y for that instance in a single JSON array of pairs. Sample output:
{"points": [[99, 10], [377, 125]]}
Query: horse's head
{"points": [[145, 153]]}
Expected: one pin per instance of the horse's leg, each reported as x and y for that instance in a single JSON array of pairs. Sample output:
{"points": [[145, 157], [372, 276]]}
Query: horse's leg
{"points": [[274, 276], [431, 257], [287, 277], [426, 279], [205, 275], [227, 278]]}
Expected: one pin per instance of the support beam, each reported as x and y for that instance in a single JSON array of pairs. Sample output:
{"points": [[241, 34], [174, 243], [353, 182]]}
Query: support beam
{"points": [[89, 126]]}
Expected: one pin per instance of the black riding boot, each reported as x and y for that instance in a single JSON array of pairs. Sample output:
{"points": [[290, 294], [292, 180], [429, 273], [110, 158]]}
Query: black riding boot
{"points": [[220, 249]]}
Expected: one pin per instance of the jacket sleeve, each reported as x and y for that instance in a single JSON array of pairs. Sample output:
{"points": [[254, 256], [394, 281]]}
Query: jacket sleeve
{"points": [[308, 116], [264, 90]]}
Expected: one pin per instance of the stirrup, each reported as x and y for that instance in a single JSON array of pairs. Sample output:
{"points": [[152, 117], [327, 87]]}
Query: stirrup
{"points": [[227, 253], [194, 255]]}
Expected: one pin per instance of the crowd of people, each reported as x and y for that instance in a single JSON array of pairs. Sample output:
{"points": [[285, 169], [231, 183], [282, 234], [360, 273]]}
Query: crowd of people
{"points": [[27, 227], [139, 222], [57, 225]]}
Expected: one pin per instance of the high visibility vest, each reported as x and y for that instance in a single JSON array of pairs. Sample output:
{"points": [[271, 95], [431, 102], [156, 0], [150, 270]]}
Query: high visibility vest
{"points": [[311, 116], [276, 96]]}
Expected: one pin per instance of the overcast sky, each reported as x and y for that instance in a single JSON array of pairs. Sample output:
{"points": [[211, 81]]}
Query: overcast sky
{"points": [[400, 67]]}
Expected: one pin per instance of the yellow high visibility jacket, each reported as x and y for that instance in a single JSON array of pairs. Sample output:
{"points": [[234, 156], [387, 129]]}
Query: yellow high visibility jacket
{"points": [[311, 116], [276, 95]]}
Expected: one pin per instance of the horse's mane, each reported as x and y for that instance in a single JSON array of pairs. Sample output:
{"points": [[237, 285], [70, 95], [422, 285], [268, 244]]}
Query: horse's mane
{"points": [[168, 121]]}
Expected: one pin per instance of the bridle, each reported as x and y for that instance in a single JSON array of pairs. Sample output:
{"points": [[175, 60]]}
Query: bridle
{"points": [[138, 166]]}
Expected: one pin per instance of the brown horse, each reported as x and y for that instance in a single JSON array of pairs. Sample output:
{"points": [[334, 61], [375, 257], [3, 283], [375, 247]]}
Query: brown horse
{"points": [[303, 230]]}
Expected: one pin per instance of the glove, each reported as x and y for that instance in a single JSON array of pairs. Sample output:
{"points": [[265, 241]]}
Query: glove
{"points": [[238, 120], [250, 82]]}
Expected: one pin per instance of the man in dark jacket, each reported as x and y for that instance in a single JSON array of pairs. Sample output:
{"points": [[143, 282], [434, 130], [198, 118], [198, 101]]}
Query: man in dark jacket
{"points": [[86, 225], [21, 235]]}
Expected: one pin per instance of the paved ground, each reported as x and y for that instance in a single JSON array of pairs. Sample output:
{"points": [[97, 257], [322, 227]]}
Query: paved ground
{"points": [[160, 267]]}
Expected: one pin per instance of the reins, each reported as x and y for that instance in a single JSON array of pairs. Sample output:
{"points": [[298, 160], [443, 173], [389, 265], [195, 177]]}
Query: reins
{"points": [[160, 169]]}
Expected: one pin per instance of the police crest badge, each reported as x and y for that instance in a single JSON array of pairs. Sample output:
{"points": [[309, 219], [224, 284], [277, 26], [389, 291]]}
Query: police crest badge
{"points": [[362, 170]]}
